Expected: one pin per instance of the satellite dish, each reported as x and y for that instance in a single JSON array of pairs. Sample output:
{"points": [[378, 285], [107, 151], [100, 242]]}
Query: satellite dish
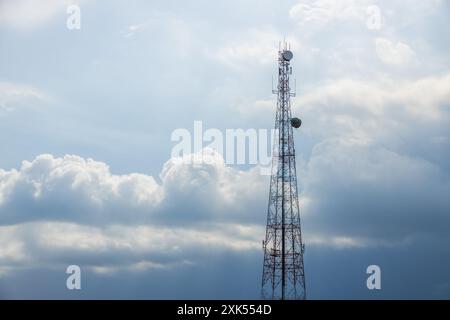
{"points": [[287, 55], [296, 122]]}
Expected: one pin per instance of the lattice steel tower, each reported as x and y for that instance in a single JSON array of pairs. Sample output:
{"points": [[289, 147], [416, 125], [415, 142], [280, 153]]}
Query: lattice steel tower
{"points": [[283, 272]]}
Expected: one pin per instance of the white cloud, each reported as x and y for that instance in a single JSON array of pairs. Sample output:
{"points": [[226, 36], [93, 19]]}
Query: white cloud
{"points": [[313, 13], [252, 47], [70, 185], [395, 54], [27, 14], [338, 242], [322, 12], [166, 23], [83, 190], [13, 95], [12, 249], [376, 171], [55, 211], [113, 248], [118, 247], [358, 107], [134, 28]]}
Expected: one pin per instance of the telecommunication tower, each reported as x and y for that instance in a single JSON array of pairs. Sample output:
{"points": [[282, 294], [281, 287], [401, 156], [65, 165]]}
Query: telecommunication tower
{"points": [[283, 270]]}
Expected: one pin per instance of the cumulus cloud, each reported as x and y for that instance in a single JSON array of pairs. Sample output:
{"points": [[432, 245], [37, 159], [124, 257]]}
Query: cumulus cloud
{"points": [[57, 210], [379, 172], [355, 179], [71, 188], [53, 210], [83, 190], [356, 108]]}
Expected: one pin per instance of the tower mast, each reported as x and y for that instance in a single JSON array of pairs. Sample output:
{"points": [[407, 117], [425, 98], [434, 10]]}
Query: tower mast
{"points": [[283, 270]]}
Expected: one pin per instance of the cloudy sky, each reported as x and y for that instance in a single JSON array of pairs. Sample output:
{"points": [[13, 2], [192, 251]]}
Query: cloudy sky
{"points": [[87, 177]]}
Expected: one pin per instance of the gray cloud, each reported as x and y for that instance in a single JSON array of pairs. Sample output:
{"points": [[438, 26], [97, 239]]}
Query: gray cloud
{"points": [[373, 153], [375, 193], [85, 191], [376, 159]]}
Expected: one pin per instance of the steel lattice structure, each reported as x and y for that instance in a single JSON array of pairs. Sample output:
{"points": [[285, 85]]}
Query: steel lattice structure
{"points": [[283, 272]]}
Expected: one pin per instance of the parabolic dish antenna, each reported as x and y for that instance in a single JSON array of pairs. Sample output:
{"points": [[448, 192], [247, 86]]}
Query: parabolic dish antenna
{"points": [[287, 55], [296, 122]]}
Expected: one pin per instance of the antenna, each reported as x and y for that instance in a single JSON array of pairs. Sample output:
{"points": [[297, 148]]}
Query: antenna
{"points": [[272, 83], [273, 90], [295, 88], [283, 268]]}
